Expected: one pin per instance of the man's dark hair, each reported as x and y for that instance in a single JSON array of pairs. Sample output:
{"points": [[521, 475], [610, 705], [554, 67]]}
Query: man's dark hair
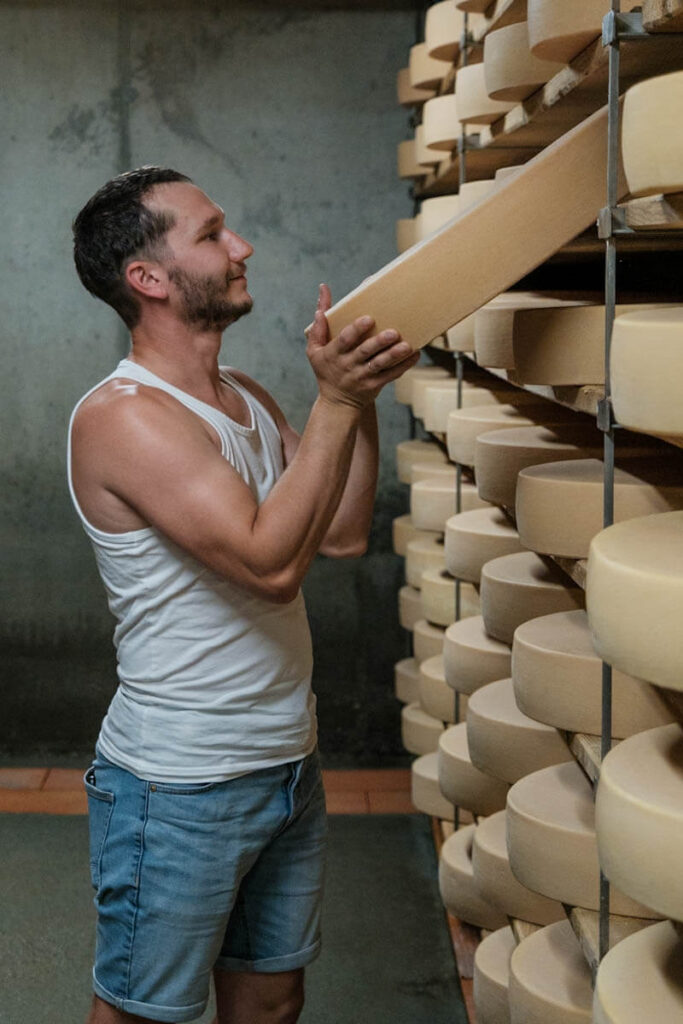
{"points": [[115, 227]]}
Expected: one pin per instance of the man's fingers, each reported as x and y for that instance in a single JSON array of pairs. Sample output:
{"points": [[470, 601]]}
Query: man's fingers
{"points": [[324, 298], [351, 335]]}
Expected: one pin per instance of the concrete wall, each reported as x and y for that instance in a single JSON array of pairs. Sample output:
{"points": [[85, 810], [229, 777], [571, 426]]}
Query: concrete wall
{"points": [[286, 117]]}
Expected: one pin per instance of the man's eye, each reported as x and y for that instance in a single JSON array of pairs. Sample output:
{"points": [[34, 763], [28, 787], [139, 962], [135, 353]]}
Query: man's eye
{"points": [[213, 236]]}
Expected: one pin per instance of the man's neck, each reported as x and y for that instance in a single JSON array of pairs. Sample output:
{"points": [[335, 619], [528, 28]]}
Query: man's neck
{"points": [[180, 355]]}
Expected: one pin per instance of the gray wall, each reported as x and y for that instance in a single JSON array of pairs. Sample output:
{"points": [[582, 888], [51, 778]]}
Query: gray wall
{"points": [[286, 117]]}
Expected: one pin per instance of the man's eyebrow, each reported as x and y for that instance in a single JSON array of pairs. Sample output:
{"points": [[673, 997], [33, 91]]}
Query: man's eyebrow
{"points": [[214, 221]]}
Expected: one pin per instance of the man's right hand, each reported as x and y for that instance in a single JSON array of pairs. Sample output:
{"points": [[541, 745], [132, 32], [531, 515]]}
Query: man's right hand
{"points": [[352, 368]]}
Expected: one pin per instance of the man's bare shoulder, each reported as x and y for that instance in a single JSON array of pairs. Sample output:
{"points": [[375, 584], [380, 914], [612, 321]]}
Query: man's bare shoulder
{"points": [[120, 405]]}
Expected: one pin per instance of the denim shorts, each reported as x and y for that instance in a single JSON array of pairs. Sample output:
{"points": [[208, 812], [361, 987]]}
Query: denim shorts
{"points": [[191, 877]]}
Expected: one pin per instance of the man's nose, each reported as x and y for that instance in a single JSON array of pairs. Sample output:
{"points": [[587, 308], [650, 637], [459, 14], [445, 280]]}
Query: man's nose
{"points": [[238, 247]]}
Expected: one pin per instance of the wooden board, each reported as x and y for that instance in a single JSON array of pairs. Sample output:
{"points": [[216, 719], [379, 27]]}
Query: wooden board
{"points": [[663, 15], [586, 750], [529, 217], [586, 925], [655, 213]]}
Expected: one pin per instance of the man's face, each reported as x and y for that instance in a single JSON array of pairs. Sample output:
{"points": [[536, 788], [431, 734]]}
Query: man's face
{"points": [[206, 261]]}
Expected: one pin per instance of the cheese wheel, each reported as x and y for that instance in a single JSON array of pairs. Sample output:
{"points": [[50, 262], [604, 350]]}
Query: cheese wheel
{"points": [[640, 979], [444, 472], [441, 125], [427, 640], [458, 889], [420, 384], [459, 780], [408, 95], [495, 879], [639, 818], [552, 842], [474, 538], [466, 425], [559, 505], [435, 696], [474, 103], [409, 607], [406, 233], [506, 172], [423, 553], [407, 162], [559, 30], [426, 158], [438, 343], [512, 71], [404, 530], [550, 980], [419, 731], [472, 192], [516, 588], [443, 29], [563, 346], [651, 142], [406, 681], [438, 598], [471, 657], [494, 324], [634, 597], [460, 337], [492, 977], [442, 399], [432, 502], [410, 452], [505, 742], [557, 677], [647, 354], [403, 387], [434, 213], [426, 72], [425, 793]]}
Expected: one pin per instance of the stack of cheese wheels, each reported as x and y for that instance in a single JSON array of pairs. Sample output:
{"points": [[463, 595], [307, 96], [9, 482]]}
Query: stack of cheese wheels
{"points": [[550, 980], [409, 607], [427, 158], [645, 360], [432, 501], [407, 160], [492, 977], [438, 598], [475, 106], [441, 399], [434, 213], [559, 505], [557, 676], [516, 588], [446, 472], [425, 793], [465, 426], [404, 530], [512, 71], [403, 387], [426, 72], [423, 553], [559, 30], [495, 879], [501, 455], [441, 124], [443, 30], [427, 640], [420, 732], [639, 818], [640, 978], [460, 781], [651, 139], [474, 538], [505, 742], [436, 697], [494, 323], [552, 840], [471, 657], [407, 680], [410, 452], [457, 886], [408, 95]]}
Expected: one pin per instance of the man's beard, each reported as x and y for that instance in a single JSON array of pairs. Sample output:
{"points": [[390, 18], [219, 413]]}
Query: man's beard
{"points": [[204, 302]]}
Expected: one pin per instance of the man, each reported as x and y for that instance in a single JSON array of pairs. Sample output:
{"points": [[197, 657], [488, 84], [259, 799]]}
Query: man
{"points": [[205, 510]]}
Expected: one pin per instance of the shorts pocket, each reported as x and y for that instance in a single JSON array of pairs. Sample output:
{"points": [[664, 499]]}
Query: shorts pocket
{"points": [[182, 788], [100, 807]]}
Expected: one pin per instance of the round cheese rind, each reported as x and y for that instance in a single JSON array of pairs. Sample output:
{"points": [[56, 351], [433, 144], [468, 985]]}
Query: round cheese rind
{"points": [[410, 452], [474, 538], [444, 472], [512, 71], [433, 501], [408, 164], [634, 597], [442, 399], [458, 889], [464, 426], [409, 607], [408, 95], [471, 657], [406, 681], [550, 980], [472, 192], [440, 119], [438, 598], [495, 879], [492, 976], [475, 106], [436, 697], [516, 588], [419, 731], [552, 841], [644, 389], [427, 640], [494, 324], [425, 793], [651, 143], [640, 978], [403, 387], [559, 30], [505, 742], [403, 530], [423, 553], [459, 780], [443, 28], [639, 818], [557, 676], [426, 72], [436, 212]]}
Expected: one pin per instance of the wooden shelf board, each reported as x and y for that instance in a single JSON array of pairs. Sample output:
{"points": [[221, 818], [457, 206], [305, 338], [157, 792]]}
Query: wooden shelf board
{"points": [[522, 929], [583, 398], [660, 213], [586, 928], [663, 15], [481, 162], [586, 750]]}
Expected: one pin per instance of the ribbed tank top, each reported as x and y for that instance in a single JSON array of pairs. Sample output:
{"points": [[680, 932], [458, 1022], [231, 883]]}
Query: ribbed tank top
{"points": [[214, 682]]}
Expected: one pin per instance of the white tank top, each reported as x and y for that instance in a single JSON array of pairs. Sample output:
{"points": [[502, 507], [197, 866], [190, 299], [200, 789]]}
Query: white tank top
{"points": [[213, 681]]}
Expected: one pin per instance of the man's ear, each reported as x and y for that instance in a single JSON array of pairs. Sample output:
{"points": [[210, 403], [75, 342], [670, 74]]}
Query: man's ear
{"points": [[148, 279]]}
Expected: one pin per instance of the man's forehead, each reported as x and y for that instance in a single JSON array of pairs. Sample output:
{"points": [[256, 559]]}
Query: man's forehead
{"points": [[185, 200]]}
